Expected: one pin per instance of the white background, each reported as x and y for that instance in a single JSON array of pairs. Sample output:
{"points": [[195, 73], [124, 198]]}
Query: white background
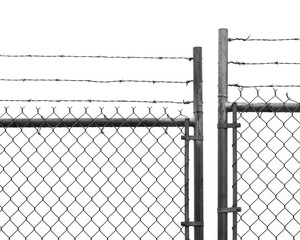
{"points": [[144, 28]]}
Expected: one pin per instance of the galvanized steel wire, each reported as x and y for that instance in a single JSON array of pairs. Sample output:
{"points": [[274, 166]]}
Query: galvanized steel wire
{"points": [[268, 167], [92, 183], [264, 86], [91, 56], [248, 39], [94, 81], [94, 100], [263, 40], [263, 63], [91, 81]]}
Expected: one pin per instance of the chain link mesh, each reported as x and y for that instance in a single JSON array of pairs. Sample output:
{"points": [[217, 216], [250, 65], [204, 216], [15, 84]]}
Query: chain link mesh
{"points": [[91, 182], [268, 166]]}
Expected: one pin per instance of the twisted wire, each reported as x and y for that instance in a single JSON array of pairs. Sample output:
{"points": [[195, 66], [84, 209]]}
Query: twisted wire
{"points": [[94, 100], [91, 81], [263, 63], [91, 56], [263, 86], [263, 39]]}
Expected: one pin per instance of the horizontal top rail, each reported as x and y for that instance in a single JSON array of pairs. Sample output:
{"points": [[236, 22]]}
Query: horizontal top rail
{"points": [[88, 122], [264, 107]]}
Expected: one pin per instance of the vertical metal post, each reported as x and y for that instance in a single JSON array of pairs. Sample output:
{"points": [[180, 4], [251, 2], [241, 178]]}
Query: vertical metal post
{"points": [[186, 178], [198, 144], [222, 133], [234, 171]]}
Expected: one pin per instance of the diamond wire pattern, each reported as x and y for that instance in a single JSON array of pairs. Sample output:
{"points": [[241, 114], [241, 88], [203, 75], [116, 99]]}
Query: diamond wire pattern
{"points": [[91, 183], [268, 172]]}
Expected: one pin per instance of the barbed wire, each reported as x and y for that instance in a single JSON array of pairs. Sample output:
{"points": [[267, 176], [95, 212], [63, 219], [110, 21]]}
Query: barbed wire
{"points": [[91, 81], [91, 56], [262, 86], [263, 39], [93, 100], [263, 63]]}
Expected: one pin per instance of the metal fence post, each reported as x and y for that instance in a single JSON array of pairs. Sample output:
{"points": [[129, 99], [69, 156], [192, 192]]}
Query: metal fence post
{"points": [[198, 144], [222, 134]]}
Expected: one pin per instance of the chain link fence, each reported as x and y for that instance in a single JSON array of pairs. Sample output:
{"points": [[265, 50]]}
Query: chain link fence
{"points": [[91, 175], [267, 165]]}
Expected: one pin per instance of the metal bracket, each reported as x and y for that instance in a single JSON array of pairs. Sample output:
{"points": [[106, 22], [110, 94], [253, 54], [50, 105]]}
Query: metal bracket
{"points": [[228, 125], [195, 138], [192, 224], [227, 210]]}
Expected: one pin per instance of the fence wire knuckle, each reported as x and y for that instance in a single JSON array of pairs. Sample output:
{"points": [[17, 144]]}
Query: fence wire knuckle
{"points": [[268, 166], [86, 176]]}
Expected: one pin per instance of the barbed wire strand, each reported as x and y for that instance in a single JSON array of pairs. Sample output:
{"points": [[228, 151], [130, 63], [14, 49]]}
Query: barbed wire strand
{"points": [[262, 86], [91, 81], [264, 63], [93, 100], [263, 39], [91, 56]]}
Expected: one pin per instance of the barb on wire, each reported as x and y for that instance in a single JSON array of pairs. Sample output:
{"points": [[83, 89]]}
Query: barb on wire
{"points": [[93, 100], [91, 81], [263, 63], [263, 39], [91, 56], [262, 86]]}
